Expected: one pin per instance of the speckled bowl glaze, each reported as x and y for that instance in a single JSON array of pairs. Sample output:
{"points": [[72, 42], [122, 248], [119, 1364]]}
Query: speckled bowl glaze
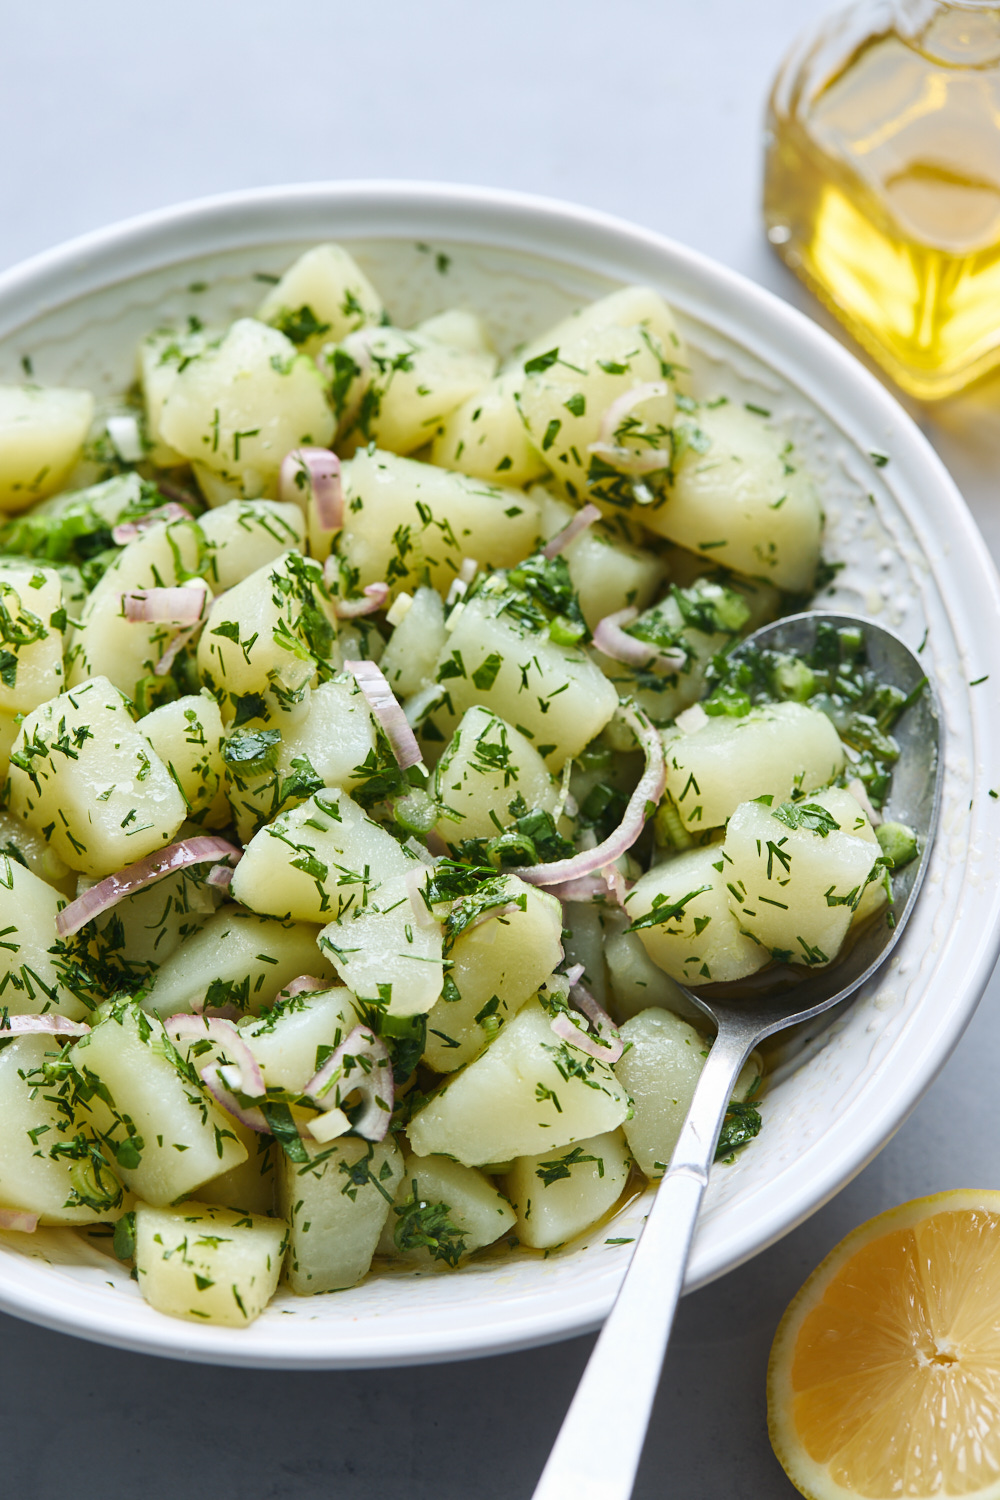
{"points": [[912, 558]]}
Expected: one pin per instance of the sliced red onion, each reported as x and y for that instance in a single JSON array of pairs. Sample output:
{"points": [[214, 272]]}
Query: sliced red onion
{"points": [[414, 884], [568, 1031], [16, 1218], [605, 882], [630, 460], [360, 1064], [615, 882], [860, 795], [316, 470], [386, 707], [220, 875], [375, 595], [247, 1115], [128, 531], [648, 792], [494, 911], [574, 974], [306, 984], [583, 518], [187, 1027], [114, 888], [184, 605], [55, 1025], [174, 649], [611, 638], [605, 1028]]}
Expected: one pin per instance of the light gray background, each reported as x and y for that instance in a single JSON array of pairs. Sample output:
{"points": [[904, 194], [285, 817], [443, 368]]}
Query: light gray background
{"points": [[651, 109]]}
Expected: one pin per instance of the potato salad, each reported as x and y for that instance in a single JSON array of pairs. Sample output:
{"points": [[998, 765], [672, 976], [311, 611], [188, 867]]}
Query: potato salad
{"points": [[376, 766]]}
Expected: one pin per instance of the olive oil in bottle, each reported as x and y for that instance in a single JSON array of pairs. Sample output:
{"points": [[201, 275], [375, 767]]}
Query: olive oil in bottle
{"points": [[882, 183]]}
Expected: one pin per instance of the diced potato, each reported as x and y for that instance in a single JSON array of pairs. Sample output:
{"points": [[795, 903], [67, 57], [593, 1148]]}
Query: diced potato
{"points": [[772, 751], [158, 359], [700, 940], [660, 1068], [486, 438], [141, 932], [84, 776], [246, 535], [496, 968], [554, 695], [562, 1192], [10, 728], [329, 746], [737, 500], [206, 1264], [38, 972], [395, 388], [71, 1184], [608, 574], [168, 1133], [28, 847], [269, 634], [636, 982], [567, 390], [475, 1213], [410, 523], [32, 622], [237, 958], [42, 432], [336, 1205], [322, 298], [527, 1092], [250, 1187], [411, 655], [238, 409], [291, 1042], [797, 872], [188, 737], [629, 307], [317, 861], [383, 951], [127, 651], [485, 768]]}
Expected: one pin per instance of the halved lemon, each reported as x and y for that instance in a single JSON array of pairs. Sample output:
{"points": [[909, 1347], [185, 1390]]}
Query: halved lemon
{"points": [[884, 1378]]}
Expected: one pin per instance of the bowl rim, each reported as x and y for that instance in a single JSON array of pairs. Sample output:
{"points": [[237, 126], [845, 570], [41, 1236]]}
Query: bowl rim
{"points": [[829, 376]]}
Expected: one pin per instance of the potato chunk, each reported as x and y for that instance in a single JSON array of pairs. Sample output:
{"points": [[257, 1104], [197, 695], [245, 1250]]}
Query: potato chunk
{"points": [[411, 655], [797, 872], [528, 1091], [554, 695], [336, 1205], [37, 972], [50, 1163], [206, 1264], [695, 937], [384, 953], [560, 1193], [485, 437], [317, 861], [409, 523], [442, 1212], [290, 1041], [239, 408], [608, 574], [166, 1130], [32, 622], [270, 633], [238, 958], [496, 968], [772, 751], [188, 737], [85, 777], [737, 500], [42, 432], [321, 298], [660, 1069], [395, 388], [246, 535], [488, 765]]}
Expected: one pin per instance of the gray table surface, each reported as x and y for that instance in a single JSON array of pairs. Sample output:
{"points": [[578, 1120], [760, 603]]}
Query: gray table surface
{"points": [[650, 111]]}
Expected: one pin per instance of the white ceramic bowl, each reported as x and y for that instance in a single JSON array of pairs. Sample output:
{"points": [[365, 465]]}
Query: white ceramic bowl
{"points": [[913, 559]]}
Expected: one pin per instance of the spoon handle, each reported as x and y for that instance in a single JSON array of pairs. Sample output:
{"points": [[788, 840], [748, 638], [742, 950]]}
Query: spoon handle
{"points": [[597, 1452]]}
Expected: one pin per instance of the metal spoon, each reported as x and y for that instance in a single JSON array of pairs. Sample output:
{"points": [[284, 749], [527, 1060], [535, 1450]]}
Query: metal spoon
{"points": [[597, 1452]]}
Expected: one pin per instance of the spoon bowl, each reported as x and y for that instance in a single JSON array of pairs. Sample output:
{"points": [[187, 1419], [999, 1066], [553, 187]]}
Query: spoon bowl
{"points": [[597, 1452]]}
